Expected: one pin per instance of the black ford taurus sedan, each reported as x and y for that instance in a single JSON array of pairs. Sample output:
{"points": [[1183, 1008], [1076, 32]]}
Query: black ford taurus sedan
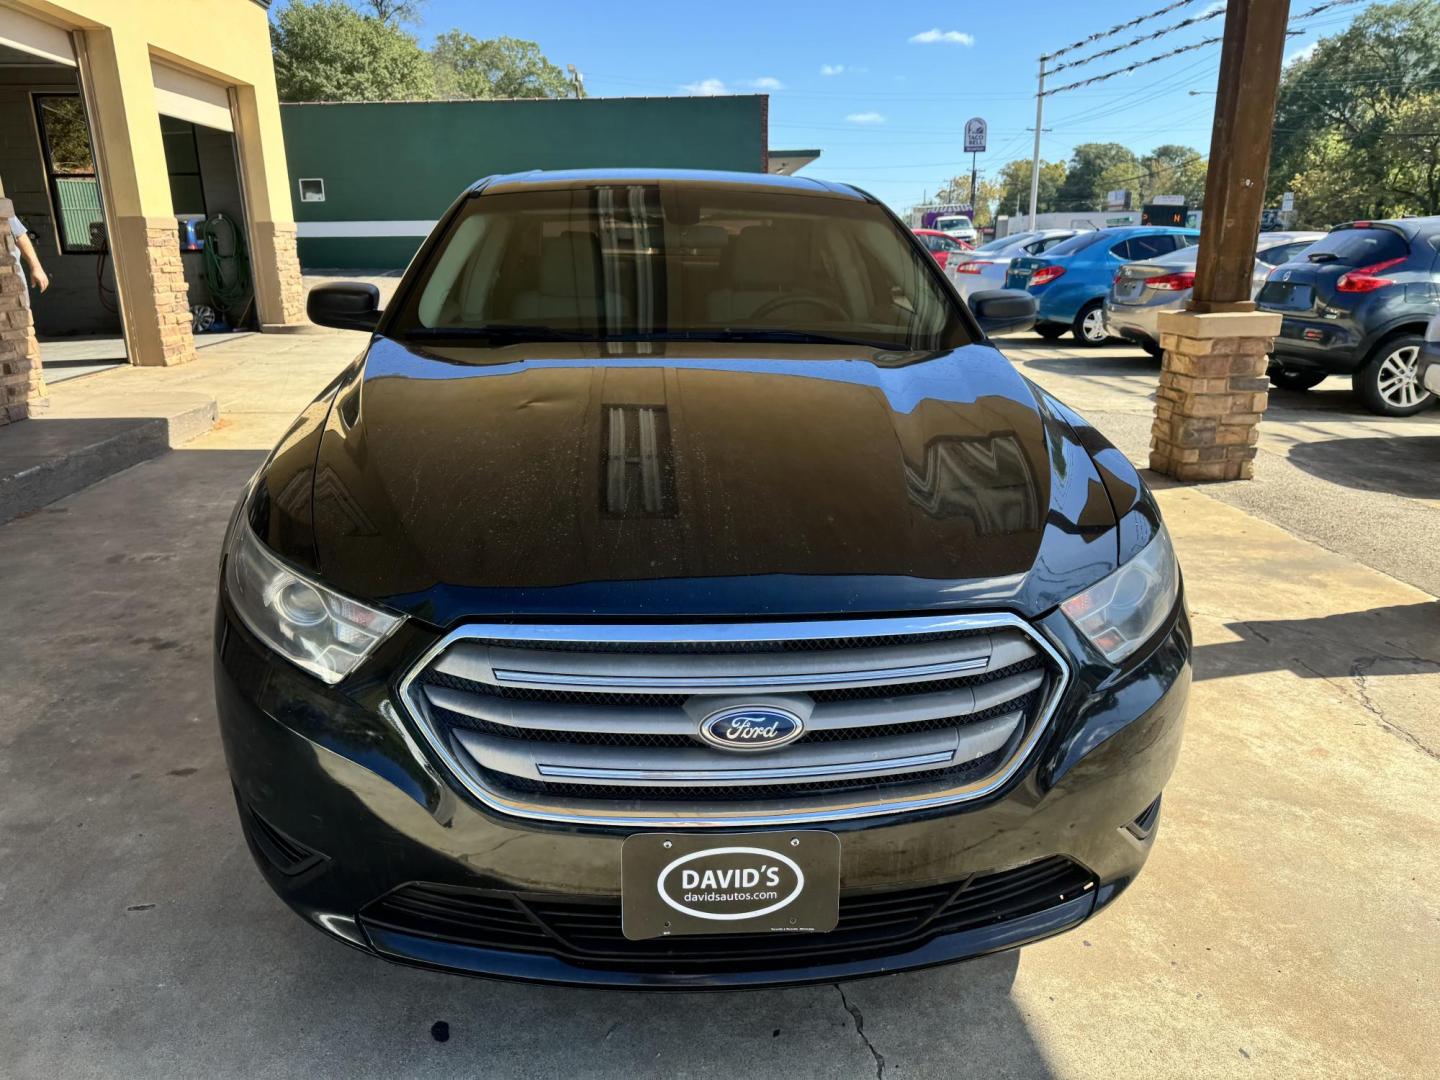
{"points": [[681, 590]]}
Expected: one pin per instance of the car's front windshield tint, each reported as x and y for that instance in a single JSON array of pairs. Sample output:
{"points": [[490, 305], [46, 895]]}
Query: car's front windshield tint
{"points": [[666, 261]]}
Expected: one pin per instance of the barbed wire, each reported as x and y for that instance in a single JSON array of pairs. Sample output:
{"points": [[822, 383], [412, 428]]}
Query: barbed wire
{"points": [[1204, 16], [1120, 28], [1316, 10]]}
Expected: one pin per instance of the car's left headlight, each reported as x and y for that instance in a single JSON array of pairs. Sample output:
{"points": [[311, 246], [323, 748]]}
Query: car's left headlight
{"points": [[310, 625], [1122, 611]]}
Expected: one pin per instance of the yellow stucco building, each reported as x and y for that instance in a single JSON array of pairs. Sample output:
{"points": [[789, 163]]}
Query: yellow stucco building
{"points": [[177, 101]]}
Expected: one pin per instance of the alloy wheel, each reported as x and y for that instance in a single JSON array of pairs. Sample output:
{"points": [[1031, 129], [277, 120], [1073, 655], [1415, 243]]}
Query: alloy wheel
{"points": [[1398, 379], [1093, 326]]}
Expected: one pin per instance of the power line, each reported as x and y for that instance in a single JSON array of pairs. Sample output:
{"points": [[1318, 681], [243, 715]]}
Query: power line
{"points": [[1316, 10], [1119, 28], [1204, 16]]}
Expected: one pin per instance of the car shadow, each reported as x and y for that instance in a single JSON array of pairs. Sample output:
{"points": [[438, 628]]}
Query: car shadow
{"points": [[1401, 639], [1407, 466]]}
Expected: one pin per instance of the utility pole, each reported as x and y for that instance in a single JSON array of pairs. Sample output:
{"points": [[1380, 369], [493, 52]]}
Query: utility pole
{"points": [[1213, 386], [1035, 161]]}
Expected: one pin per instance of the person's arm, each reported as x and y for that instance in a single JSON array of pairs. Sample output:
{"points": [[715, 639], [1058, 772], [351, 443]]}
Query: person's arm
{"points": [[37, 272]]}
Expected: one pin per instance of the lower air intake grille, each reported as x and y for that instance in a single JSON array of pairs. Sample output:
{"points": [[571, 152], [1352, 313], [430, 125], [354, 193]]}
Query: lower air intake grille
{"points": [[581, 933], [604, 724]]}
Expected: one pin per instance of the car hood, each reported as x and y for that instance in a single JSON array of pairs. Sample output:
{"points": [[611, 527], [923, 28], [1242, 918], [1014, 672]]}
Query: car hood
{"points": [[701, 479]]}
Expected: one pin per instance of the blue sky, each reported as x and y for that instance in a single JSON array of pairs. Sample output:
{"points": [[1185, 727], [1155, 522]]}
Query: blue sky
{"points": [[884, 89]]}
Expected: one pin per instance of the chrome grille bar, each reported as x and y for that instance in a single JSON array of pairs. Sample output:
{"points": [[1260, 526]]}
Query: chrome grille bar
{"points": [[600, 724]]}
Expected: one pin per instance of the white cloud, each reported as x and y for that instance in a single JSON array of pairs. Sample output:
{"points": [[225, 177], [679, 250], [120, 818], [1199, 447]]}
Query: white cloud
{"points": [[767, 82], [1302, 53], [832, 69], [706, 88], [865, 118], [937, 36]]}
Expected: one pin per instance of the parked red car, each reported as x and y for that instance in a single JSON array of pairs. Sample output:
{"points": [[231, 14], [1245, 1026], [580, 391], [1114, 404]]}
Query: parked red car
{"points": [[941, 244]]}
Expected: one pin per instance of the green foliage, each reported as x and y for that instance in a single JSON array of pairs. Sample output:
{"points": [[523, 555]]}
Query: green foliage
{"points": [[1352, 119], [503, 67], [1013, 183], [1089, 163], [325, 50], [1399, 176], [1171, 169]]}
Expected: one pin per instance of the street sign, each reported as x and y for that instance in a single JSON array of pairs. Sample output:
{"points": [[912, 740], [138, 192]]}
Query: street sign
{"points": [[1287, 202], [975, 131]]}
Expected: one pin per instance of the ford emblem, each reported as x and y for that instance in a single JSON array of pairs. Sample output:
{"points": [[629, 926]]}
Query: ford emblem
{"points": [[751, 727]]}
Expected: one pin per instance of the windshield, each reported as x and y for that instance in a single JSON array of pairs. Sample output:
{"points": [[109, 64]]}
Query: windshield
{"points": [[677, 261], [1078, 242]]}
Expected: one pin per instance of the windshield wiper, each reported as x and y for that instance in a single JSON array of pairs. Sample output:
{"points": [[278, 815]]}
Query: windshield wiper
{"points": [[508, 332], [1322, 256]]}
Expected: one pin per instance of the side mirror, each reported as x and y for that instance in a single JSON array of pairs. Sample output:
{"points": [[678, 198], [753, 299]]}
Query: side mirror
{"points": [[345, 305], [1004, 311]]}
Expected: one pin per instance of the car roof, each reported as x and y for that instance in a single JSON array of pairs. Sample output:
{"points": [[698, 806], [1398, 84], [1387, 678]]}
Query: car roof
{"points": [[537, 179], [1268, 240], [1410, 226]]}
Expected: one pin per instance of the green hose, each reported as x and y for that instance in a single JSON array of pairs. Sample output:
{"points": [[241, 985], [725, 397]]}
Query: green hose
{"points": [[227, 267]]}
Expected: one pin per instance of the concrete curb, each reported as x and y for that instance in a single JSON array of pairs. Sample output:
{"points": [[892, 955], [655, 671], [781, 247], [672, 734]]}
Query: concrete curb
{"points": [[49, 457]]}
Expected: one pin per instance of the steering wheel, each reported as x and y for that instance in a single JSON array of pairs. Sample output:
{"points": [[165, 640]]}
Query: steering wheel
{"points": [[777, 302]]}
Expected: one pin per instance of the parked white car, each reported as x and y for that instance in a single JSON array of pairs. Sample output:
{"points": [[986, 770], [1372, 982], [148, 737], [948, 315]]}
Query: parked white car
{"points": [[986, 266]]}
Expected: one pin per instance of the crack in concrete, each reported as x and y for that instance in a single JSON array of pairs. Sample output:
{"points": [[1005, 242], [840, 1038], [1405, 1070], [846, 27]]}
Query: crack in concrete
{"points": [[1359, 669], [859, 1018]]}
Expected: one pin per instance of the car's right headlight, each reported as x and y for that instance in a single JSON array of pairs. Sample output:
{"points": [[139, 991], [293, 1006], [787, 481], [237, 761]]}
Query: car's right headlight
{"points": [[1123, 610], [310, 625]]}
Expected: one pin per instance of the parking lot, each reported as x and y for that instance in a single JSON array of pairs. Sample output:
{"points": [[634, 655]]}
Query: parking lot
{"points": [[1287, 923]]}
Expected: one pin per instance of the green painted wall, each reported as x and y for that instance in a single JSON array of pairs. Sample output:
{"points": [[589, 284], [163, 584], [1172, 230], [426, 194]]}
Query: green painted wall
{"points": [[407, 161]]}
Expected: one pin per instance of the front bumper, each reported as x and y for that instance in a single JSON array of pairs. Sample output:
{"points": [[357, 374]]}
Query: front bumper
{"points": [[342, 807]]}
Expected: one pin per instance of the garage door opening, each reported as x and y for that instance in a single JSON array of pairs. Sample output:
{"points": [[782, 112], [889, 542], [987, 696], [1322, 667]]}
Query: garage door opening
{"points": [[47, 170], [209, 206]]}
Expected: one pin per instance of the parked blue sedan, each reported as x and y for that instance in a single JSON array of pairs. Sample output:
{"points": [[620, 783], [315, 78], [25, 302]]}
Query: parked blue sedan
{"points": [[1071, 280]]}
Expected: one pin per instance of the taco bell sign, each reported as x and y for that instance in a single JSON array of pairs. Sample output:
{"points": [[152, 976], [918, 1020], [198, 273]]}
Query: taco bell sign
{"points": [[975, 131]]}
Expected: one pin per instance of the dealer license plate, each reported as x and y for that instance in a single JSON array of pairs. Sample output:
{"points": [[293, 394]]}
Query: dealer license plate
{"points": [[700, 883]]}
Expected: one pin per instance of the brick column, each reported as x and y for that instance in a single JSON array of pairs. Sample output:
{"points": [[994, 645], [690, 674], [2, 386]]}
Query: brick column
{"points": [[170, 295], [22, 383], [1213, 390], [275, 268]]}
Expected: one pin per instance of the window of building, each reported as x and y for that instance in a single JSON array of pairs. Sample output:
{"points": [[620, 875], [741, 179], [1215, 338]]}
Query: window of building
{"points": [[70, 172], [182, 162]]}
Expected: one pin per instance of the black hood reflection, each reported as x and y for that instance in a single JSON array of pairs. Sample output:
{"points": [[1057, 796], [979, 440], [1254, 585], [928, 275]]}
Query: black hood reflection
{"points": [[702, 479]]}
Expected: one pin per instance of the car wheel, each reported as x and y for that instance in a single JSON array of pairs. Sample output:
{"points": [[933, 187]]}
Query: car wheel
{"points": [[1089, 326], [1295, 379], [1050, 331], [1389, 383], [1153, 348]]}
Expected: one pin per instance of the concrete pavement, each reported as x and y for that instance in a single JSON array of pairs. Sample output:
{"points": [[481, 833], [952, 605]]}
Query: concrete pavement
{"points": [[1286, 925]]}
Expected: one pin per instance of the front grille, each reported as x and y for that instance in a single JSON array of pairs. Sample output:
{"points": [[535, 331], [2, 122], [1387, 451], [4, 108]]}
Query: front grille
{"points": [[588, 933], [603, 723]]}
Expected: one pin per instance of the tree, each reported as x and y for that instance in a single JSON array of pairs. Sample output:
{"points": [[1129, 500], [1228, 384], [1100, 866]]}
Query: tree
{"points": [[503, 67], [1014, 181], [327, 51], [1082, 189], [1398, 176], [1170, 169], [1349, 88], [397, 11]]}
